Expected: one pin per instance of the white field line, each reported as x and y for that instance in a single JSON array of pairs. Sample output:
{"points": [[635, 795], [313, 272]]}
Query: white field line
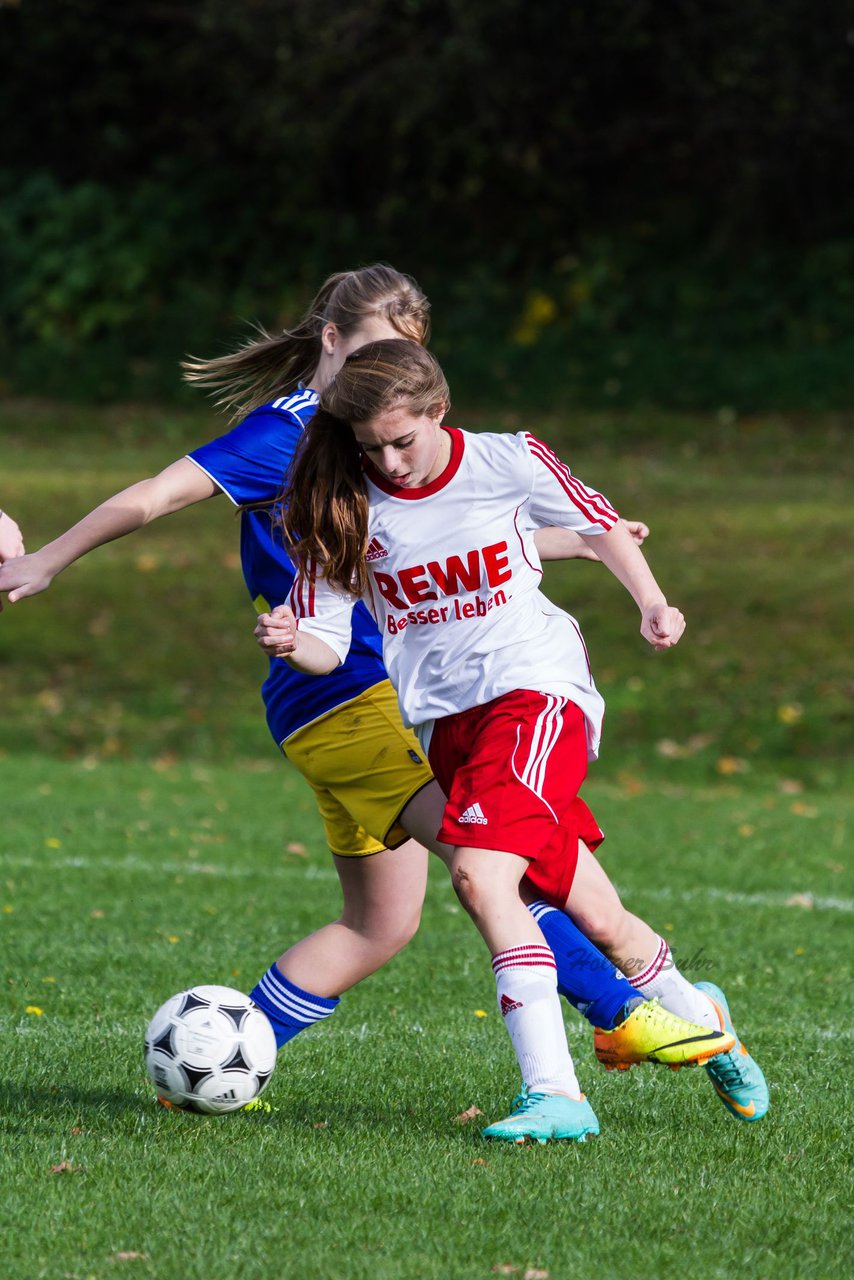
{"points": [[781, 898], [143, 867], [364, 1031]]}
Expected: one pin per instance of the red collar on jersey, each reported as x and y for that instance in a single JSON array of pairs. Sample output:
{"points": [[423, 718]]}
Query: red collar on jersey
{"points": [[457, 447]]}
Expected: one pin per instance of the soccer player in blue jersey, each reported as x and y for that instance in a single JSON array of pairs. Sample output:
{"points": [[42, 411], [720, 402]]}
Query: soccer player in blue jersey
{"points": [[343, 732]]}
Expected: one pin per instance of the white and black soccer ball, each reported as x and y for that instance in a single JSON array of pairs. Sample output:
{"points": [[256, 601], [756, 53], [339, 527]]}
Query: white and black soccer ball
{"points": [[209, 1049]]}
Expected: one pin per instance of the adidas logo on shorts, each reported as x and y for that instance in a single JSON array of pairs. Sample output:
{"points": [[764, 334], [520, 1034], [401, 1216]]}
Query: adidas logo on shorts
{"points": [[474, 813], [376, 550]]}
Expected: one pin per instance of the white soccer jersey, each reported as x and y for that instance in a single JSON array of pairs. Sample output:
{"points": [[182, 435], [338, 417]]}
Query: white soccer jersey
{"points": [[455, 582]]}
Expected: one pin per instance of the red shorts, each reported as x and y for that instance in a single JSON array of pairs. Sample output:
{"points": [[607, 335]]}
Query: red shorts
{"points": [[511, 771]]}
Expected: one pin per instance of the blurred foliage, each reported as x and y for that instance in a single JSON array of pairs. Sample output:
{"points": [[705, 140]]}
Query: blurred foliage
{"points": [[608, 202]]}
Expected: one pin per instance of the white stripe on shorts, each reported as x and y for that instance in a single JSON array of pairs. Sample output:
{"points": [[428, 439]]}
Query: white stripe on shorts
{"points": [[543, 740]]}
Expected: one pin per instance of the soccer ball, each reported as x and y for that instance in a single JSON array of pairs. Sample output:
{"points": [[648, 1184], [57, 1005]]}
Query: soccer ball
{"points": [[209, 1049]]}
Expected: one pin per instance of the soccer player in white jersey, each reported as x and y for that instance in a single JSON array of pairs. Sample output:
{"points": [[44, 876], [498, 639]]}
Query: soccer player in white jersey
{"points": [[433, 528]]}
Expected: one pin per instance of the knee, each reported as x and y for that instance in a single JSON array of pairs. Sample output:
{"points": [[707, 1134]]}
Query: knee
{"points": [[403, 930], [602, 921], [386, 937], [470, 887]]}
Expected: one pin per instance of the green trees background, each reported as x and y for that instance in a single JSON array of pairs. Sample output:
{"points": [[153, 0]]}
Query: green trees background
{"points": [[617, 202]]}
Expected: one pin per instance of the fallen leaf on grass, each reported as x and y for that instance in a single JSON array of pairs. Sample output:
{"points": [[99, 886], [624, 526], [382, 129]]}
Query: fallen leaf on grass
{"points": [[468, 1114], [66, 1166], [672, 750], [630, 785], [728, 765], [512, 1269], [805, 900]]}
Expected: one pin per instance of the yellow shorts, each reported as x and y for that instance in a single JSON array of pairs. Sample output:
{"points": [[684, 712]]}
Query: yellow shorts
{"points": [[364, 767]]}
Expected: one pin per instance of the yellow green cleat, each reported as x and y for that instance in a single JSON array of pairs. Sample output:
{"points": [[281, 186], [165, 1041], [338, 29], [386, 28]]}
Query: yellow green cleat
{"points": [[652, 1034]]}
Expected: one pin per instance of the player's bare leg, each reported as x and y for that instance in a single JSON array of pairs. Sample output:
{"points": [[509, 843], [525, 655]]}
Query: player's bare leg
{"points": [[383, 896], [422, 818], [596, 908]]}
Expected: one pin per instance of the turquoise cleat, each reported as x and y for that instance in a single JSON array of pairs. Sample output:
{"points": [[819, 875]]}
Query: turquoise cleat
{"points": [[536, 1117], [737, 1078]]}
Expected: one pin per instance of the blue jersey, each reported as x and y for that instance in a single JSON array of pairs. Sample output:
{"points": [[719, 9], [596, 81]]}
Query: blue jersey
{"points": [[249, 465]]}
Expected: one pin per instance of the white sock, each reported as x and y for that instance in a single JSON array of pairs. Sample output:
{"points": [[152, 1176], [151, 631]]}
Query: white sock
{"points": [[661, 978], [526, 978]]}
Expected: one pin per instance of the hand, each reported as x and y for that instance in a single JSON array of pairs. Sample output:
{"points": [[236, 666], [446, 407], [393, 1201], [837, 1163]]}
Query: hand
{"points": [[276, 632], [638, 530], [11, 539], [24, 576], [662, 625]]}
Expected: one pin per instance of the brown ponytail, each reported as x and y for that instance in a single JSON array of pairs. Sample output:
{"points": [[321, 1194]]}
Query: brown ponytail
{"points": [[325, 504], [272, 365]]}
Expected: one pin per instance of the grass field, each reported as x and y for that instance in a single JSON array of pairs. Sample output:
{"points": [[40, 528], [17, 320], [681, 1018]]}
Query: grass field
{"points": [[151, 840]]}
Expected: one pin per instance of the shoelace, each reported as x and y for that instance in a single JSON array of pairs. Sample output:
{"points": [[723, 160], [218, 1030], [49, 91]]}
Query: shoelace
{"points": [[671, 1022], [728, 1070], [526, 1101]]}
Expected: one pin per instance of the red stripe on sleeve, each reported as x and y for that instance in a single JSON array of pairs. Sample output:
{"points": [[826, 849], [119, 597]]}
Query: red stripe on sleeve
{"points": [[593, 505], [302, 592]]}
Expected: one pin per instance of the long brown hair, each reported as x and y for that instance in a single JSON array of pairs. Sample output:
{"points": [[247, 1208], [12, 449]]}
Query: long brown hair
{"points": [[325, 514], [270, 365]]}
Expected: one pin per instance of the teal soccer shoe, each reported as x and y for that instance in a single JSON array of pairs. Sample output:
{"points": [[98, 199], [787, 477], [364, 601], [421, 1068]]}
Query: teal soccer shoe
{"points": [[737, 1078], [538, 1117]]}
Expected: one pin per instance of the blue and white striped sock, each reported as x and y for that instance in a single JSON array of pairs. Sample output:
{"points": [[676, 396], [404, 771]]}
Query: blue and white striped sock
{"points": [[289, 1008]]}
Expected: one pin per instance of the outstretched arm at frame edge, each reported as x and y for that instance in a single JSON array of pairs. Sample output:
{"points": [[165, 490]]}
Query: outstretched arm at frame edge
{"points": [[179, 485]]}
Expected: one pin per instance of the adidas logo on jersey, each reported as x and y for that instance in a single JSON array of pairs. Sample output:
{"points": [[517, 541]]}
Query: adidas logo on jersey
{"points": [[474, 813], [508, 1005], [376, 550]]}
